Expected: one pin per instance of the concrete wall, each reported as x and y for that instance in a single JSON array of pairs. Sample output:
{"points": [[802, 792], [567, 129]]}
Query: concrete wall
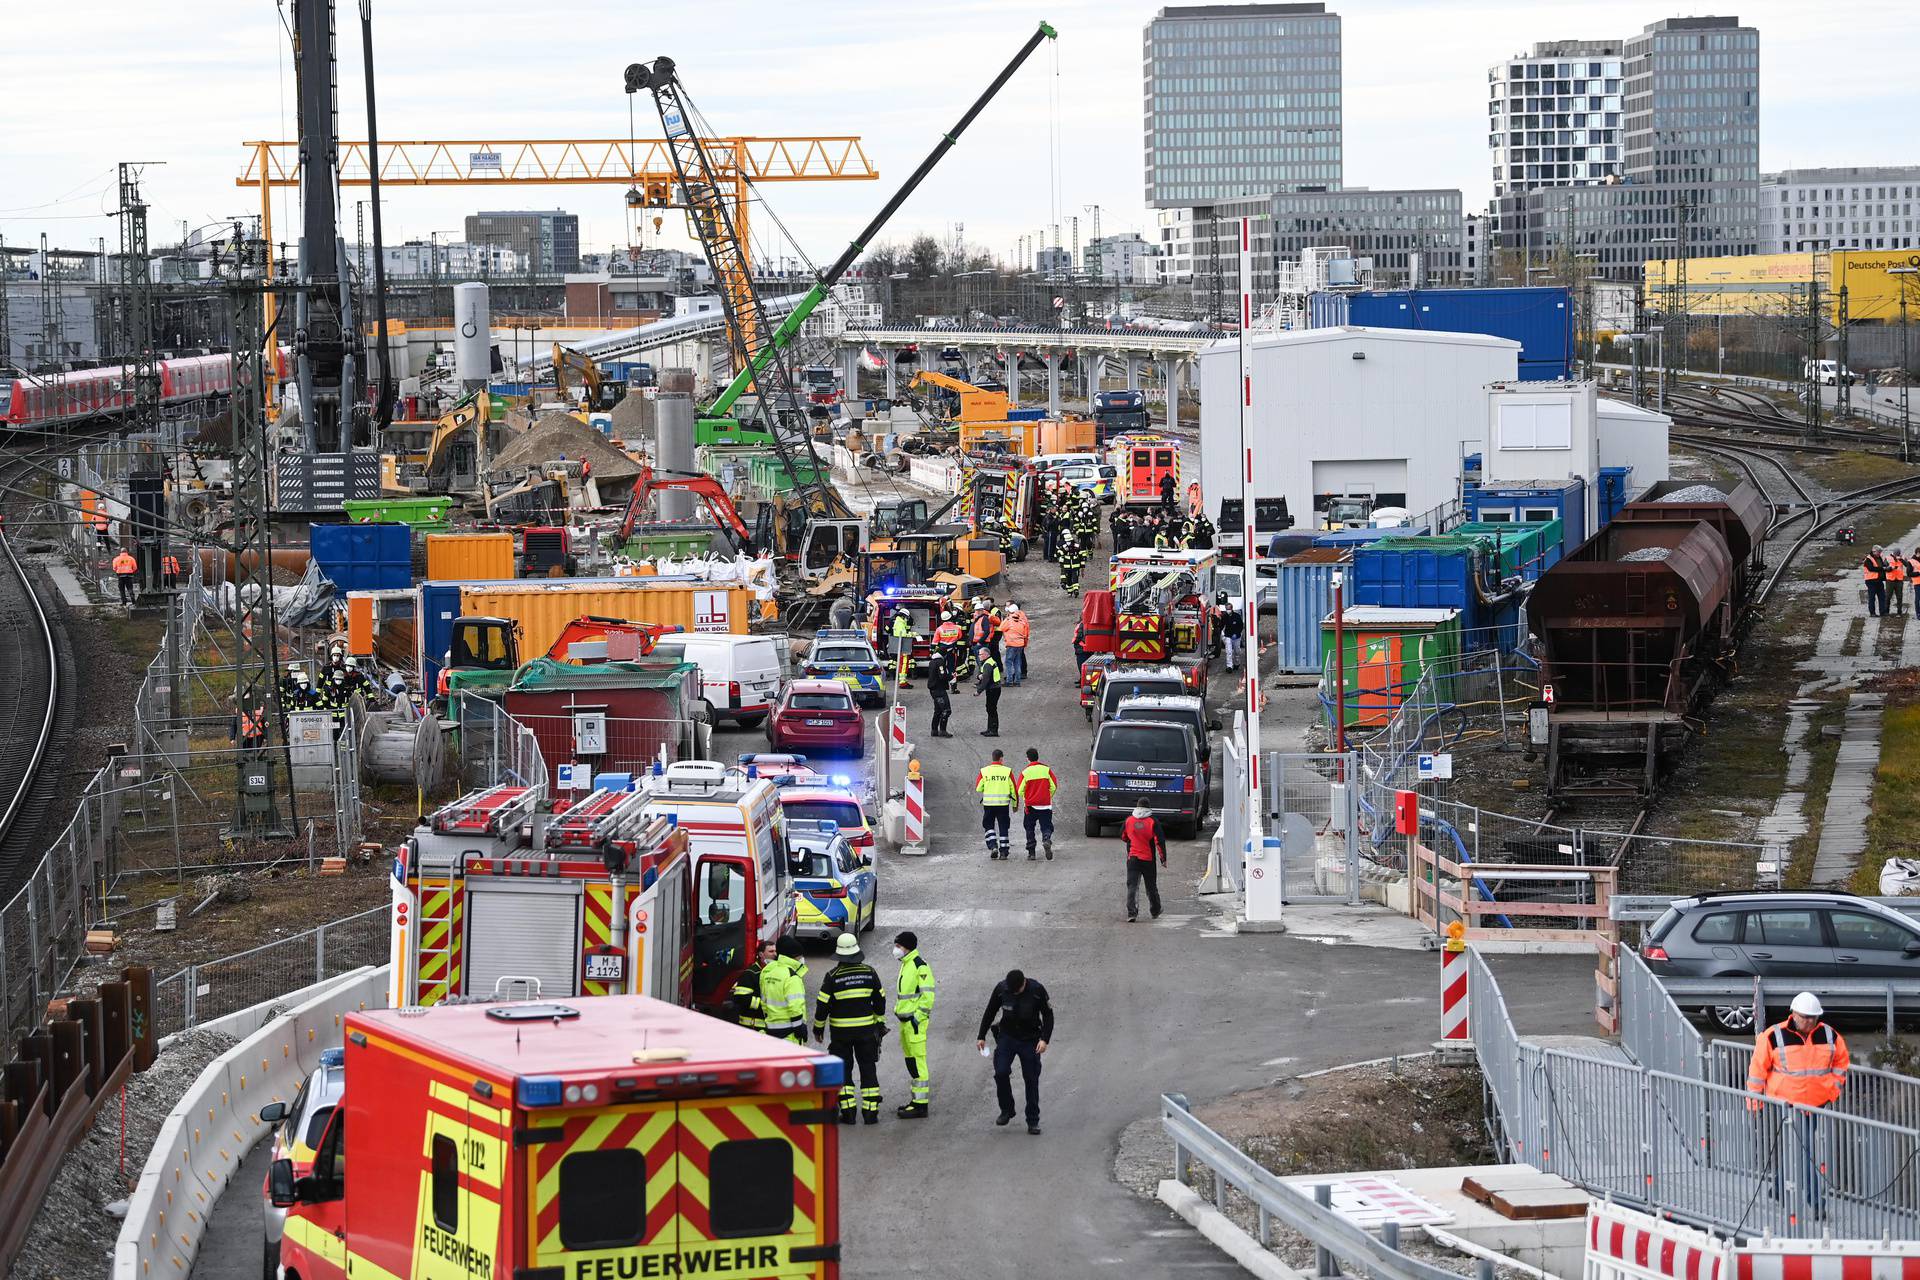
{"points": [[1349, 402]]}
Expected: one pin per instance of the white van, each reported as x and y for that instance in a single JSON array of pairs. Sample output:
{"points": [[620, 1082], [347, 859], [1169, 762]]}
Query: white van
{"points": [[739, 675]]}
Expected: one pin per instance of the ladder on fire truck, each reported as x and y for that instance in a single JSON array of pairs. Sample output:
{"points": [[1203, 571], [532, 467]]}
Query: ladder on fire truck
{"points": [[607, 819], [487, 813]]}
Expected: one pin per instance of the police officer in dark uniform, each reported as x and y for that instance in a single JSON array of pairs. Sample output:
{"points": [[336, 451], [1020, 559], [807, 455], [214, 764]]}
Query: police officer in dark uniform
{"points": [[940, 686]]}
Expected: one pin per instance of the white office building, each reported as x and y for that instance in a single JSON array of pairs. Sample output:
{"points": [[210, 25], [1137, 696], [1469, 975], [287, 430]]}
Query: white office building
{"points": [[1807, 210], [1121, 259], [1554, 116]]}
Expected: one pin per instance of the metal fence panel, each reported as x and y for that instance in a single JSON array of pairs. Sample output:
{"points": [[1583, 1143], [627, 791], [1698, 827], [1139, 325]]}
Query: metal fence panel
{"points": [[1319, 787], [216, 988], [1652, 1027]]}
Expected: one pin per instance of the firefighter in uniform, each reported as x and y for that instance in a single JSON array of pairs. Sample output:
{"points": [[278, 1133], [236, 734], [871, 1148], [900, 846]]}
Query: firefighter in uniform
{"points": [[1801, 1060], [913, 1006], [947, 637], [902, 646], [939, 685], [745, 1003], [783, 991], [1072, 559], [850, 1015], [1873, 571], [1087, 520]]}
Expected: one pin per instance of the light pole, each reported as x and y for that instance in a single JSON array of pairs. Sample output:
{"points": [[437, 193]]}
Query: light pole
{"points": [[1907, 277]]}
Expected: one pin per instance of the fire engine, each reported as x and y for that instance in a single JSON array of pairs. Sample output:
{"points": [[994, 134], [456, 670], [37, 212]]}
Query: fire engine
{"points": [[612, 1139], [1001, 495], [592, 900], [1163, 605], [665, 890]]}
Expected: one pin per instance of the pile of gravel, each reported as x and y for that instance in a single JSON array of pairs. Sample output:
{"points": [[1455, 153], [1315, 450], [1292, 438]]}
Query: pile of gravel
{"points": [[73, 1234], [1694, 493], [558, 435], [1648, 553], [631, 418]]}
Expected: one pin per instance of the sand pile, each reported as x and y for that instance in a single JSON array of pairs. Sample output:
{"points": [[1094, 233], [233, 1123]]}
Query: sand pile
{"points": [[558, 435]]}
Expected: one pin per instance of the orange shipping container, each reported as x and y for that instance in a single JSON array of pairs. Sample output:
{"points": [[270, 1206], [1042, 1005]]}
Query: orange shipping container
{"points": [[468, 557], [1071, 434], [543, 607]]}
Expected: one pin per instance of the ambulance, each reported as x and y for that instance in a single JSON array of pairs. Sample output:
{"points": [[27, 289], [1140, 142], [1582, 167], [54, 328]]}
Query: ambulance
{"points": [[622, 1138], [742, 882], [492, 894]]}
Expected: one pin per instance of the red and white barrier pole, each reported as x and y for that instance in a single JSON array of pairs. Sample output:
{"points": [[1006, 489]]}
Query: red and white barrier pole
{"points": [[916, 807], [897, 728], [1453, 987]]}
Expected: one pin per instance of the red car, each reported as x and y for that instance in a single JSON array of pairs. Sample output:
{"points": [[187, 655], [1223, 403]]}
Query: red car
{"points": [[817, 715]]}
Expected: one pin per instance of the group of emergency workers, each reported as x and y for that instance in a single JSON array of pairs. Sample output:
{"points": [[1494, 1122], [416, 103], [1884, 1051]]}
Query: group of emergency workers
{"points": [[849, 1014], [983, 641], [1070, 525], [340, 677], [1886, 574], [1162, 529]]}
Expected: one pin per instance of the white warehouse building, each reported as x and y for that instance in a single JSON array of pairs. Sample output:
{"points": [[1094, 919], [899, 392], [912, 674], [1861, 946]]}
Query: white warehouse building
{"points": [[1387, 413]]}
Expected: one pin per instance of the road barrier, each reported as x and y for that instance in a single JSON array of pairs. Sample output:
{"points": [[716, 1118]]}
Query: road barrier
{"points": [[206, 1136], [916, 806], [1453, 986], [1623, 1244]]}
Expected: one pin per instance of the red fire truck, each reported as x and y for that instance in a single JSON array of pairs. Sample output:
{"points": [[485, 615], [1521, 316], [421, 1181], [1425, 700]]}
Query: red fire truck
{"points": [[612, 1139]]}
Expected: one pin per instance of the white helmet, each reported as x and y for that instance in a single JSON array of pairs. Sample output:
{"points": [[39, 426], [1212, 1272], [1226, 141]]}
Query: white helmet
{"points": [[946, 615], [1013, 608], [1807, 1005], [353, 663]]}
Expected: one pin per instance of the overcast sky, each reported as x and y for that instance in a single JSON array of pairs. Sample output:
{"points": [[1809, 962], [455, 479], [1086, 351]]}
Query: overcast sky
{"points": [[111, 80]]}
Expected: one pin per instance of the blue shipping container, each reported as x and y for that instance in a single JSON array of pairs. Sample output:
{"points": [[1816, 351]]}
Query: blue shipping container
{"points": [[433, 624], [1540, 320], [1611, 493], [1026, 415], [364, 557], [1351, 538], [1439, 577], [1305, 601], [1511, 500]]}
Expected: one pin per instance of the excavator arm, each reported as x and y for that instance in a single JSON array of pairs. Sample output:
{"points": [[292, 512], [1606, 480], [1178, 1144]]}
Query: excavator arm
{"points": [[469, 415], [706, 488], [612, 639], [583, 368]]}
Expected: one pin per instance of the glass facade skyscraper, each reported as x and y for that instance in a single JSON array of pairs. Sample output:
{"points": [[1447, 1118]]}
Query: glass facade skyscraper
{"points": [[1241, 99]]}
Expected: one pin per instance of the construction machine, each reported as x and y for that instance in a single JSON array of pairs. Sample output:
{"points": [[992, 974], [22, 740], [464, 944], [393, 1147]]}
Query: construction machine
{"points": [[705, 487], [437, 457], [596, 391], [485, 652], [761, 357]]}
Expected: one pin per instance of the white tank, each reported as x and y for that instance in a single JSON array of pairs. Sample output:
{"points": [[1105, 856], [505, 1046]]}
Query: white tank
{"points": [[473, 333]]}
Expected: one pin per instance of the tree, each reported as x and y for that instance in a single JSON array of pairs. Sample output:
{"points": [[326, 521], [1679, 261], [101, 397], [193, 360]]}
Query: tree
{"points": [[881, 262], [923, 258]]}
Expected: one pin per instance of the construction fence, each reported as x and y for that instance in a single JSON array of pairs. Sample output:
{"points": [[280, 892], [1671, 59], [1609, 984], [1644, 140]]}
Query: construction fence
{"points": [[202, 992]]}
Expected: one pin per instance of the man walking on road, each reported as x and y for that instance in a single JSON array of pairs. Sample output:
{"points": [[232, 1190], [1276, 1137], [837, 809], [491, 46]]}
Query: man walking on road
{"points": [[913, 1006], [1037, 787], [939, 686], [1144, 840], [1801, 1060], [995, 788], [988, 679], [1015, 632], [850, 1015], [783, 991], [1025, 1028]]}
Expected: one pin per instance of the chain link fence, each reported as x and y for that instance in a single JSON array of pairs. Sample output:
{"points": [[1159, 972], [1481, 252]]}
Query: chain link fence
{"points": [[202, 992]]}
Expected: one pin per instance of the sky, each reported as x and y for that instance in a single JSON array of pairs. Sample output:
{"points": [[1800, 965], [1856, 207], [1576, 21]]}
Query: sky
{"points": [[188, 84]]}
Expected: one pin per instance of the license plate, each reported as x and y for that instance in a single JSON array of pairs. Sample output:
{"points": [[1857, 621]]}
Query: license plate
{"points": [[1141, 784], [820, 722]]}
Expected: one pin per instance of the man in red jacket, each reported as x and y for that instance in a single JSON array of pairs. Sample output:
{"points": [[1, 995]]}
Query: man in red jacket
{"points": [[1142, 834], [1037, 787]]}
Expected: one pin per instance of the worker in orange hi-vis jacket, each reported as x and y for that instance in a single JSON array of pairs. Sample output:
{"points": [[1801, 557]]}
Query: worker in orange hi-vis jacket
{"points": [[1802, 1060]]}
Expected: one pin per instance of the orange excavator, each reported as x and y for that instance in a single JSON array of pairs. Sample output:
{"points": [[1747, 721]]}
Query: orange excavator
{"points": [[705, 487]]}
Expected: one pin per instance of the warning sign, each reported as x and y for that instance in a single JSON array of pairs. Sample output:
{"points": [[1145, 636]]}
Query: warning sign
{"points": [[1369, 1202]]}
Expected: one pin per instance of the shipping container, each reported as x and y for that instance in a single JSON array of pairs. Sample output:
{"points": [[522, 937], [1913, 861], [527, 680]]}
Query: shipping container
{"points": [[1513, 501], [364, 557], [609, 716], [1611, 493], [1527, 549], [421, 513], [1540, 320], [1351, 538], [1444, 572], [455, 556], [543, 607], [769, 477], [1305, 599], [1386, 651]]}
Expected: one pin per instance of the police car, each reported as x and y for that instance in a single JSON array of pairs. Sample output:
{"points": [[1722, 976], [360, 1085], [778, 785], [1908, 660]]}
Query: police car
{"points": [[297, 1127], [848, 656], [834, 885], [808, 795]]}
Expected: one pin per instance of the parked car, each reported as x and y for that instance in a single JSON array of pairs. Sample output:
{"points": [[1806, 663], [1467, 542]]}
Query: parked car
{"points": [[1185, 709], [835, 888], [1090, 477], [832, 800], [1155, 762], [1163, 679], [818, 715], [297, 1127], [1226, 578], [1049, 461], [848, 656], [1801, 937], [739, 675]]}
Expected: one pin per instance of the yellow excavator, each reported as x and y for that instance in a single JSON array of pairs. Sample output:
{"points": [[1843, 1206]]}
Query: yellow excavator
{"points": [[442, 456], [594, 389]]}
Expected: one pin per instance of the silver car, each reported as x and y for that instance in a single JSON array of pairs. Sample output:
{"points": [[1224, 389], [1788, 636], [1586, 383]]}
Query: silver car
{"points": [[297, 1128]]}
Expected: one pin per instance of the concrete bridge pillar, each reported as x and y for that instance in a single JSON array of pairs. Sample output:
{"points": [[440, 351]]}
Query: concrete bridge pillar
{"points": [[850, 372], [1053, 359], [1170, 369], [893, 378], [1013, 378], [1134, 364]]}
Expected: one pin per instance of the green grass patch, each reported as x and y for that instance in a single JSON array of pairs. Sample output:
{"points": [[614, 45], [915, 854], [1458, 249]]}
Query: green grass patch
{"points": [[1893, 825], [1852, 470]]}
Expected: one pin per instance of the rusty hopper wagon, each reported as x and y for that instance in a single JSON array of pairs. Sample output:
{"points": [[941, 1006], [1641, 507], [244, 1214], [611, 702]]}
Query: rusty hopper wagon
{"points": [[1632, 625], [1741, 516]]}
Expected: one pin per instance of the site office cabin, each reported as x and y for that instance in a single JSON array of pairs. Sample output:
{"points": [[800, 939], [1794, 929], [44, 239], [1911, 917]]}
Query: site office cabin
{"points": [[665, 891], [618, 1138]]}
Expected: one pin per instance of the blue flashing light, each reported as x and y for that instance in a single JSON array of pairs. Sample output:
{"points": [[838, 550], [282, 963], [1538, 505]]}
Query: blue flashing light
{"points": [[828, 1072], [543, 1091], [841, 780], [333, 1057]]}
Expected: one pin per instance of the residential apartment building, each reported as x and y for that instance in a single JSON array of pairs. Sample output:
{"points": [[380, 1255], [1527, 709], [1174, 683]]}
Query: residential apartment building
{"points": [[1241, 99], [1122, 259], [1413, 237], [551, 238], [1803, 210], [1554, 116]]}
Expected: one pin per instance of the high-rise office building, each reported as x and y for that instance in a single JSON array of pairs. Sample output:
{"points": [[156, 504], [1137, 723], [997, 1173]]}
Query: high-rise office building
{"points": [[1689, 159], [1807, 210], [1554, 115], [549, 238], [1241, 99]]}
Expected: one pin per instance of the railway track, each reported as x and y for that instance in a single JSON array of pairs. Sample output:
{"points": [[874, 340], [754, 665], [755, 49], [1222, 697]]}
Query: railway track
{"points": [[1760, 416]]}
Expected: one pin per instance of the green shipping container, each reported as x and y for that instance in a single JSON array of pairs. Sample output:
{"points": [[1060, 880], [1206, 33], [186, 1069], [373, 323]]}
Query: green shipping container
{"points": [[1386, 653], [421, 513], [677, 546], [769, 477], [1527, 549]]}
